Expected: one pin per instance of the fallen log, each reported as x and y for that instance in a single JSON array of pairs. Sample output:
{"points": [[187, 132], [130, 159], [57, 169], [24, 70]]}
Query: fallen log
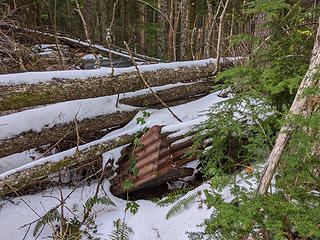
{"points": [[59, 90], [169, 95], [41, 36], [89, 129], [29, 174]]}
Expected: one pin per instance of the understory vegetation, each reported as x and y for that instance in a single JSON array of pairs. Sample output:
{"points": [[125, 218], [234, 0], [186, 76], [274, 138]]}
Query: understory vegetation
{"points": [[242, 131]]}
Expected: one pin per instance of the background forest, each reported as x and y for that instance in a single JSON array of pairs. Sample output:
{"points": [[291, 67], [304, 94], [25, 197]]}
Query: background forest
{"points": [[166, 29]]}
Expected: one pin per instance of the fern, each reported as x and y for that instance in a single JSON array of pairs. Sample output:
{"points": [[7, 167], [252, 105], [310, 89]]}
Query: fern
{"points": [[183, 203], [93, 201], [51, 216], [122, 231], [97, 200], [172, 196]]}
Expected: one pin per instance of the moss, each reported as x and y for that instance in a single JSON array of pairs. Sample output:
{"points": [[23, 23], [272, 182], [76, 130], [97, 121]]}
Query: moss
{"points": [[26, 99]]}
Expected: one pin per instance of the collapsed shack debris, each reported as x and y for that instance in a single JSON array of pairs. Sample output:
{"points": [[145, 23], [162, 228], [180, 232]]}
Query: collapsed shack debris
{"points": [[158, 160]]}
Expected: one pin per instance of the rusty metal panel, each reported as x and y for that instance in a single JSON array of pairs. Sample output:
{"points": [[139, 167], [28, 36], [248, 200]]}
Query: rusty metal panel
{"points": [[158, 161]]}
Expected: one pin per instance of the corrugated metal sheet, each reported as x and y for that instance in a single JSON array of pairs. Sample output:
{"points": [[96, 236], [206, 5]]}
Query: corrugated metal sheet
{"points": [[158, 160]]}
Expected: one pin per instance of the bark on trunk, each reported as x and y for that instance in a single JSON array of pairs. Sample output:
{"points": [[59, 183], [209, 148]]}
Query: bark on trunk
{"points": [[163, 7], [89, 130], [301, 105], [59, 90], [169, 95], [184, 29], [29, 175]]}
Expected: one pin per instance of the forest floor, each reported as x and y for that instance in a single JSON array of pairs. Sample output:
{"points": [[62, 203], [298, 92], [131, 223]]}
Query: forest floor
{"points": [[148, 223]]}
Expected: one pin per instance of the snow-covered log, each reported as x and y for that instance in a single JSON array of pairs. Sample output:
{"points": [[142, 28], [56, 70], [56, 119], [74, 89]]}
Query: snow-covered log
{"points": [[170, 96], [93, 126], [86, 128], [32, 89], [29, 174]]}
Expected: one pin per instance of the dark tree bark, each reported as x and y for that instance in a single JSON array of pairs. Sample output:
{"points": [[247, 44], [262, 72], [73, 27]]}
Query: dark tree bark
{"points": [[87, 129]]}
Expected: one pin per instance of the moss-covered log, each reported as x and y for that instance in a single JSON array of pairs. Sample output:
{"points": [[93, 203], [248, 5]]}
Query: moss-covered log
{"points": [[171, 95], [59, 90], [89, 129], [29, 175]]}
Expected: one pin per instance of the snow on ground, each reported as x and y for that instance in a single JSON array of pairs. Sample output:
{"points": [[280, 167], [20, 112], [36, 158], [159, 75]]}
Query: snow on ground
{"points": [[38, 77], [150, 222]]}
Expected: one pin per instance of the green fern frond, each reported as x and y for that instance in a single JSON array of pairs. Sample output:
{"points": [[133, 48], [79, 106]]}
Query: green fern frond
{"points": [[172, 196], [51, 216], [97, 200], [183, 203], [87, 207], [122, 231]]}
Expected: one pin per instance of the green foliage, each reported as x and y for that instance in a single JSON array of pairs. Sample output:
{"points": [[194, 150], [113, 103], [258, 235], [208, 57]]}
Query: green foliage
{"points": [[72, 228], [242, 130], [277, 64], [94, 201], [52, 215], [182, 204], [132, 206], [239, 132], [122, 231], [172, 196], [136, 143], [128, 184], [142, 120]]}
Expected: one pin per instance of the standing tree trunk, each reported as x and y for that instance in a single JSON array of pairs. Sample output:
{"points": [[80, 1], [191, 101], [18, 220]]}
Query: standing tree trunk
{"points": [[163, 7], [175, 30], [184, 29], [170, 42], [143, 12], [301, 105], [208, 30]]}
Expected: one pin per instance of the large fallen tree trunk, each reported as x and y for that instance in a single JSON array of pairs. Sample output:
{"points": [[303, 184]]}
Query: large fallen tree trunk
{"points": [[168, 161], [88, 129], [31, 173], [91, 128], [169, 95], [59, 90]]}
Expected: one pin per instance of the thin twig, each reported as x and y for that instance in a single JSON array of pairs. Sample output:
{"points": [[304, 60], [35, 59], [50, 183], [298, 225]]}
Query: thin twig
{"points": [[147, 84], [20, 197], [54, 145]]}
